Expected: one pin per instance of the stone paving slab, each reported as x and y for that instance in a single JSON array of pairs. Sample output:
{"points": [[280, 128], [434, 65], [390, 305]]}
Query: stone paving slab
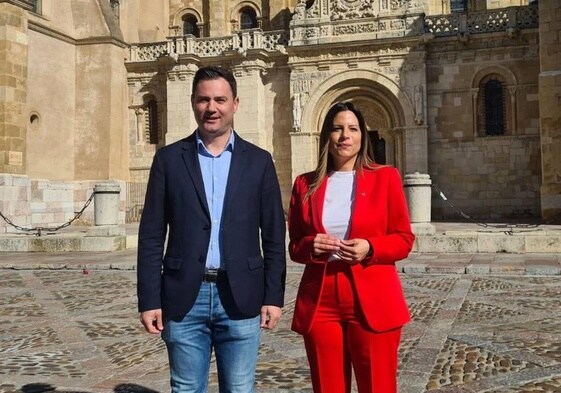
{"points": [[69, 324]]}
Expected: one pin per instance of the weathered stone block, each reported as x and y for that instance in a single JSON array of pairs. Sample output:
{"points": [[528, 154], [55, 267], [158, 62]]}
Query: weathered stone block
{"points": [[545, 244], [500, 243], [114, 243], [447, 244]]}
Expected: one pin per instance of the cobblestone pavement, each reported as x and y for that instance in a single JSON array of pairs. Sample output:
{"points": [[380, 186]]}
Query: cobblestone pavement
{"points": [[77, 330]]}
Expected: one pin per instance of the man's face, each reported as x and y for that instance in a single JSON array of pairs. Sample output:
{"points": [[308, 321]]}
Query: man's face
{"points": [[214, 106]]}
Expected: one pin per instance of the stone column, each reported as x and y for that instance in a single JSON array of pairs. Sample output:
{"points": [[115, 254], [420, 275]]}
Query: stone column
{"points": [[304, 146], [106, 203], [15, 186], [250, 118], [13, 88], [550, 102], [418, 193], [416, 149], [180, 119]]}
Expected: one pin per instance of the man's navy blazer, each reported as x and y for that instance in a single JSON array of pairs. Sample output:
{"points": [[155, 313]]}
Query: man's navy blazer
{"points": [[252, 232]]}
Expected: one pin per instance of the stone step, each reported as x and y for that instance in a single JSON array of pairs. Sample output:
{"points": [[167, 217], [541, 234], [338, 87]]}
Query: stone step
{"points": [[443, 238], [493, 241]]}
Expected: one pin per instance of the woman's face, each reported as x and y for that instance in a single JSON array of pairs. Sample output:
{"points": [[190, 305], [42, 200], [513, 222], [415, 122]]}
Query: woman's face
{"points": [[344, 141]]}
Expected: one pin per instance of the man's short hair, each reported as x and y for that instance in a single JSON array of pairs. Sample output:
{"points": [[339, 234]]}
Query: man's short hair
{"points": [[212, 72]]}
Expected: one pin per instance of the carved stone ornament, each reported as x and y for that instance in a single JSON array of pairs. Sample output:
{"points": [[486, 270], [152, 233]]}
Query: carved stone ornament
{"points": [[352, 9], [397, 4]]}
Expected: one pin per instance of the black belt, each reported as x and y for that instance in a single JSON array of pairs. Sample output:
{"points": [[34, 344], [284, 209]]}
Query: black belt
{"points": [[211, 275]]}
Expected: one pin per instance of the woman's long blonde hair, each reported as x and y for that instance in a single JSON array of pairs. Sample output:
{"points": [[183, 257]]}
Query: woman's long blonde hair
{"points": [[365, 156]]}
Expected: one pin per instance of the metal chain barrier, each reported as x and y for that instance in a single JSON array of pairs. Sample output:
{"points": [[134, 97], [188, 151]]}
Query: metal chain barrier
{"points": [[38, 230], [510, 227]]}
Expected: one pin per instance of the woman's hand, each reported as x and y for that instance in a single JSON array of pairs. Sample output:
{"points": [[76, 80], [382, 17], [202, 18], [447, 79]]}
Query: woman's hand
{"points": [[354, 250], [325, 243]]}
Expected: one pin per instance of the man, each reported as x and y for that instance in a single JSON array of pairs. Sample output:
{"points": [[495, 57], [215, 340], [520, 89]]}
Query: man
{"points": [[212, 288]]}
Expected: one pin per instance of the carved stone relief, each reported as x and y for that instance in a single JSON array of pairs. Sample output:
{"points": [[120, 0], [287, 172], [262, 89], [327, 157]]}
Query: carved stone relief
{"points": [[398, 4], [296, 111], [300, 10], [352, 9], [355, 29], [311, 32], [301, 86], [418, 97], [140, 120]]}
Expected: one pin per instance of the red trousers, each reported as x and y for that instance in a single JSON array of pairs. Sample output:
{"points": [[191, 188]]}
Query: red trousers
{"points": [[339, 338]]}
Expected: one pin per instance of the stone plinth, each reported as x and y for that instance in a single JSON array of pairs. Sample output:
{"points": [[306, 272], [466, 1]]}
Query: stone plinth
{"points": [[417, 188]]}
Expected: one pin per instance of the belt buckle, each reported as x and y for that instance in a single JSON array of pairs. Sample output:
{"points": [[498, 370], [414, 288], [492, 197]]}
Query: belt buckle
{"points": [[211, 275]]}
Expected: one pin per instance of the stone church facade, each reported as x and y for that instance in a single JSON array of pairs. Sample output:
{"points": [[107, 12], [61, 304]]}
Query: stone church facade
{"points": [[466, 91]]}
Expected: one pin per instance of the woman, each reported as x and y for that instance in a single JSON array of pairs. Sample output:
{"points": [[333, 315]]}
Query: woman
{"points": [[348, 223]]}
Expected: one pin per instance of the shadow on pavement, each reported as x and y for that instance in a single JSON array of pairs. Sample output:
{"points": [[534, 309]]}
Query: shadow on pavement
{"points": [[45, 388]]}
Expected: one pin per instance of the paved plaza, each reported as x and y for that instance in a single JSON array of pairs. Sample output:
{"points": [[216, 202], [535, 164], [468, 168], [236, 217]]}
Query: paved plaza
{"points": [[481, 323]]}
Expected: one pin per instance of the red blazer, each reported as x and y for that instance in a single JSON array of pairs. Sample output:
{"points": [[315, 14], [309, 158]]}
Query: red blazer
{"points": [[380, 216]]}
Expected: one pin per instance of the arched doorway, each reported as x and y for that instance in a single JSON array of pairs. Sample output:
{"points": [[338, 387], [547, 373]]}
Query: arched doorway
{"points": [[379, 122], [386, 108]]}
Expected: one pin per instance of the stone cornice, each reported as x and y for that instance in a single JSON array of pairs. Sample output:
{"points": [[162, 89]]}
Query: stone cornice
{"points": [[358, 45], [53, 33], [48, 31], [25, 4], [384, 52], [102, 40]]}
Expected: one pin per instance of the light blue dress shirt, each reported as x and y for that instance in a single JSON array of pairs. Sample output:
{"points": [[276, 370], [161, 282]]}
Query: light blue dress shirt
{"points": [[215, 171]]}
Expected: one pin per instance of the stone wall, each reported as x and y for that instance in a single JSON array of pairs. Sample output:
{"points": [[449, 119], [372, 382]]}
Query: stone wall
{"points": [[13, 88], [31, 203], [550, 107], [51, 133], [488, 177]]}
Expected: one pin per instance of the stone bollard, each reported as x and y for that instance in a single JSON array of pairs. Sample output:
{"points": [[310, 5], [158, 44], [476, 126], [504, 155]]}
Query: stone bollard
{"points": [[418, 193], [106, 204]]}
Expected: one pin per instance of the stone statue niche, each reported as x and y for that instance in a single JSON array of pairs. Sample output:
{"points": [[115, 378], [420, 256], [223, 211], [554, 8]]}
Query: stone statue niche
{"points": [[115, 8]]}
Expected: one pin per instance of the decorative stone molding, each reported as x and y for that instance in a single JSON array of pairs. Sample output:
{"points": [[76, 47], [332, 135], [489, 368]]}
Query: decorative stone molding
{"points": [[504, 19], [352, 9], [418, 99], [182, 72], [140, 121], [270, 41], [25, 4], [378, 19]]}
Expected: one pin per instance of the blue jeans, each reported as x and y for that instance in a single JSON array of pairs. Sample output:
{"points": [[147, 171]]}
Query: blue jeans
{"points": [[209, 325]]}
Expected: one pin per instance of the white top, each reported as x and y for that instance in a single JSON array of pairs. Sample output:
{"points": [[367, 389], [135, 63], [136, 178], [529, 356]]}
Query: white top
{"points": [[338, 205]]}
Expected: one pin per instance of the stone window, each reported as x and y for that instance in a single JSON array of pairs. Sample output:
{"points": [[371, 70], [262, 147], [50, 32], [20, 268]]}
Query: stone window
{"points": [[492, 108], [151, 121], [248, 18], [36, 6], [190, 25], [458, 6]]}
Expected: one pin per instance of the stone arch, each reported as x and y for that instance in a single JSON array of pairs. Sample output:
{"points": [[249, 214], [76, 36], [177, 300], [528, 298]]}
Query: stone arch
{"points": [[235, 13], [150, 88], [179, 15], [509, 81], [139, 113], [387, 109], [507, 74], [362, 82]]}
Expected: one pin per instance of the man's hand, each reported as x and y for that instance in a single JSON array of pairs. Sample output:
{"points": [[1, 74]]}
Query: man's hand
{"points": [[152, 321], [270, 315]]}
